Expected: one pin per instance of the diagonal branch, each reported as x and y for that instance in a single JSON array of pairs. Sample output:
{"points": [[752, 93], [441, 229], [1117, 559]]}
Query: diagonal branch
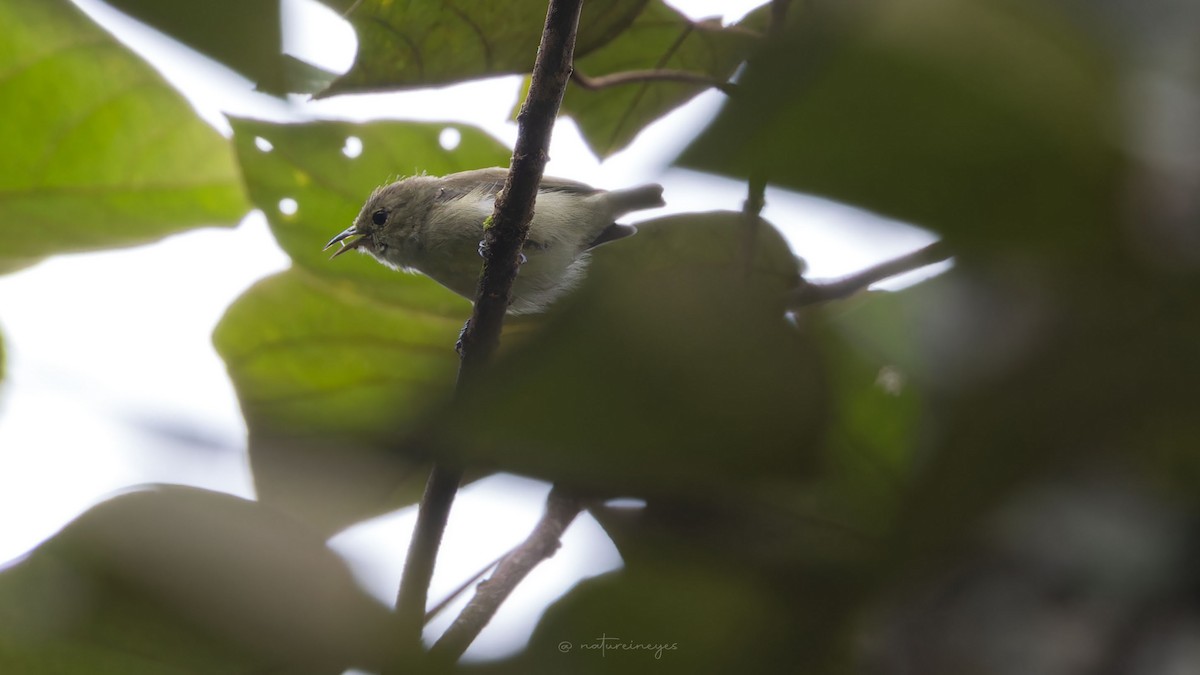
{"points": [[502, 245], [812, 292], [561, 509], [462, 588]]}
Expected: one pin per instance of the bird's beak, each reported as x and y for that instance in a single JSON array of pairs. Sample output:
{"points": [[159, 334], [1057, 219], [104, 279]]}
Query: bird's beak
{"points": [[346, 245]]}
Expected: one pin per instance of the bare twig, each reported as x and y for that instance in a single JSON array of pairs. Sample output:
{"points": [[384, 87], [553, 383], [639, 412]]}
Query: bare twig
{"points": [[432, 515], [756, 188], [654, 75], [561, 509], [502, 245], [812, 292], [462, 588], [779, 10], [756, 199], [514, 206]]}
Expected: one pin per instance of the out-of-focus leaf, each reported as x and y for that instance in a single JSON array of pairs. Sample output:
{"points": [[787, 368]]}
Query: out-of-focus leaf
{"points": [[179, 580], [312, 165], [990, 121], [660, 39], [1078, 372], [303, 77], [877, 402], [681, 616], [671, 370], [245, 35], [327, 379], [413, 44], [98, 150]]}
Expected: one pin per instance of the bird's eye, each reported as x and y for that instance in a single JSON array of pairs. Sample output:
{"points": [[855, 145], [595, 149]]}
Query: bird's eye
{"points": [[379, 217]]}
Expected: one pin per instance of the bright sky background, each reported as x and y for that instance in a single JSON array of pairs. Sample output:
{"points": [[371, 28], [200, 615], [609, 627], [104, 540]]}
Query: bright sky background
{"points": [[113, 381]]}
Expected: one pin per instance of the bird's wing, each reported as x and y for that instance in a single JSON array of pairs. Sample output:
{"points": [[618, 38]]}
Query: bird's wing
{"points": [[458, 185], [551, 184], [491, 181]]}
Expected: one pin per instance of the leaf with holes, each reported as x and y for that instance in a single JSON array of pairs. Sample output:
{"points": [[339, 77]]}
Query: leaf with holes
{"points": [[326, 170], [98, 150], [413, 44], [328, 380], [661, 39]]}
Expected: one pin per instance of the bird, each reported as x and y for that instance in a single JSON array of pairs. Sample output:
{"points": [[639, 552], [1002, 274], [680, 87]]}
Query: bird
{"points": [[434, 226]]}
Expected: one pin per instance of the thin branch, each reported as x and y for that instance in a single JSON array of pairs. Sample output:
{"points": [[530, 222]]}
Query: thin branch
{"points": [[811, 292], [502, 246], [432, 515], [756, 187], [640, 92], [756, 199], [779, 10], [514, 206], [462, 588], [654, 75], [561, 509]]}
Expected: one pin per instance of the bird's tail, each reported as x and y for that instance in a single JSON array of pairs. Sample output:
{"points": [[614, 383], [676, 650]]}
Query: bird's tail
{"points": [[635, 199]]}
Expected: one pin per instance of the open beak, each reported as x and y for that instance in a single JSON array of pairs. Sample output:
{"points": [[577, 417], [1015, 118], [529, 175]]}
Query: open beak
{"points": [[342, 239]]}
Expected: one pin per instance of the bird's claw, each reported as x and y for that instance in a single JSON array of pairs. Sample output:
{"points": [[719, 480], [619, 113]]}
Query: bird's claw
{"points": [[458, 344], [521, 259]]}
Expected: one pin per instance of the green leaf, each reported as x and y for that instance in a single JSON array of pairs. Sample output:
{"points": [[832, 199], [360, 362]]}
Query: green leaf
{"points": [[415, 44], [179, 580], [986, 120], [245, 35], [690, 611], [306, 163], [98, 150], [670, 370], [878, 395], [677, 618], [660, 39], [328, 380], [1037, 376], [334, 359]]}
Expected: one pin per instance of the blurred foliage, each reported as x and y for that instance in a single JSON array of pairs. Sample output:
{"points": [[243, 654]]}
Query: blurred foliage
{"points": [[642, 619], [660, 38], [667, 325], [1003, 456], [245, 35], [988, 121], [98, 150], [178, 580], [326, 378], [442, 42]]}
